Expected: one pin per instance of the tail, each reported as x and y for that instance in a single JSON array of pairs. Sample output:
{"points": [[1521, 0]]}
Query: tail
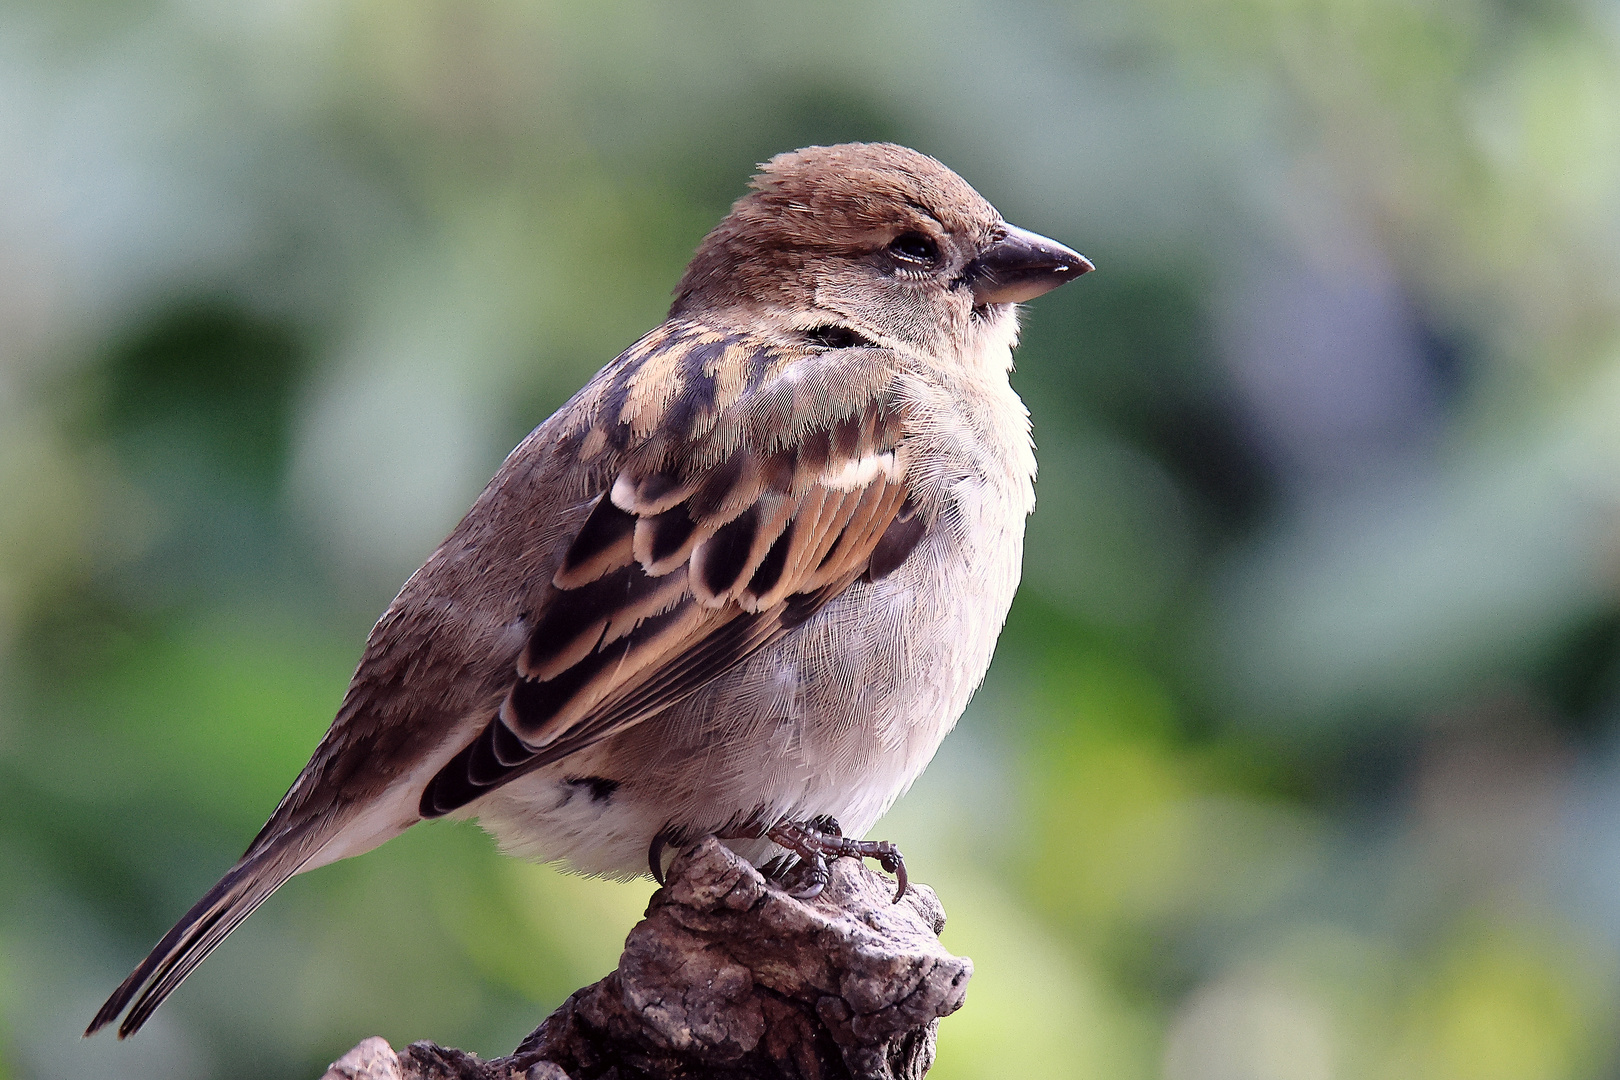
{"points": [[247, 885]]}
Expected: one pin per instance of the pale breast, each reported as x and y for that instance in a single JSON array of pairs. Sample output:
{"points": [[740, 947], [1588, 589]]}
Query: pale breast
{"points": [[840, 717]]}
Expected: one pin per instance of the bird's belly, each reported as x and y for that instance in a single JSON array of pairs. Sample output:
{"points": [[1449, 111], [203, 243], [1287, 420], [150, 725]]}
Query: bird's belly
{"points": [[839, 718]]}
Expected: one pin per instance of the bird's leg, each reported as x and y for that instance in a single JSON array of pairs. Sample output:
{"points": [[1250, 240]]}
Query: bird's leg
{"points": [[820, 838]]}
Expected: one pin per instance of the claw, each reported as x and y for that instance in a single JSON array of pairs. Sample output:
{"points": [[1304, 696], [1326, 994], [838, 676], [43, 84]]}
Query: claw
{"points": [[815, 869], [655, 857], [809, 892], [897, 866]]}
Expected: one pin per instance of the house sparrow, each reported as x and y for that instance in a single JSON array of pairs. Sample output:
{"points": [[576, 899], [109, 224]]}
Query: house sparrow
{"points": [[742, 584]]}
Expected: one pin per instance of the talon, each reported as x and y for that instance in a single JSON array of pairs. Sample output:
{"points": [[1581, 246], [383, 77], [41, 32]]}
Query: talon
{"points": [[816, 870], [655, 857], [899, 872]]}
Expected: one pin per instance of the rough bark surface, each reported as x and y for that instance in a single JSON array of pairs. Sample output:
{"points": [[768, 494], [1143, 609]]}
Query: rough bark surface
{"points": [[729, 977]]}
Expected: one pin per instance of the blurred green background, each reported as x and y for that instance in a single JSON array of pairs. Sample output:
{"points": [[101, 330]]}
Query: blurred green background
{"points": [[1300, 756]]}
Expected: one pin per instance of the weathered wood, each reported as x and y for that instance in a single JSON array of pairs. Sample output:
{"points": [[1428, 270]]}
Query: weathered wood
{"points": [[729, 977]]}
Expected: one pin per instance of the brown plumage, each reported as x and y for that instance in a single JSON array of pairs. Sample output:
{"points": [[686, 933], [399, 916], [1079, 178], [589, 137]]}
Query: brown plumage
{"points": [[746, 578]]}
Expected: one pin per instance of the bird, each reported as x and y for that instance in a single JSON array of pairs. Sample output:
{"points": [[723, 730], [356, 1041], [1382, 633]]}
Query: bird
{"points": [[742, 584]]}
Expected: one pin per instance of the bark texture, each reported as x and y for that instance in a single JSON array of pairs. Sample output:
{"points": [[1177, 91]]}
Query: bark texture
{"points": [[729, 977]]}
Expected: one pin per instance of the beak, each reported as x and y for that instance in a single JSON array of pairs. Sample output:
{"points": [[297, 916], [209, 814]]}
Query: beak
{"points": [[1021, 266]]}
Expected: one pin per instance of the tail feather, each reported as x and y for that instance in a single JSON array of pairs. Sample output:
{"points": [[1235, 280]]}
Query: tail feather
{"points": [[199, 932]]}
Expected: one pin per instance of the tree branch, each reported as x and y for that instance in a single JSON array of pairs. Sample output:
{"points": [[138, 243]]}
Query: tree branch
{"points": [[729, 977]]}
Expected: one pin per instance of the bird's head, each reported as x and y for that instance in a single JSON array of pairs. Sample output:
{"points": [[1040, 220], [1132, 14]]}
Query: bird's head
{"points": [[872, 239]]}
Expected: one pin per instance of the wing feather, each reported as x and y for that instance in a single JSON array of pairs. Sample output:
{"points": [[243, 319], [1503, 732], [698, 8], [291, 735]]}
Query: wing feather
{"points": [[760, 495]]}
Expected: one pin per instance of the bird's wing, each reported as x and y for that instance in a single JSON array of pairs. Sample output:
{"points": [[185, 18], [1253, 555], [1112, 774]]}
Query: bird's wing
{"points": [[742, 486], [736, 487]]}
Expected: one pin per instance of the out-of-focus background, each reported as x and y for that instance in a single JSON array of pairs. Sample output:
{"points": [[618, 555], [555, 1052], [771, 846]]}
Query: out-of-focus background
{"points": [[1300, 758]]}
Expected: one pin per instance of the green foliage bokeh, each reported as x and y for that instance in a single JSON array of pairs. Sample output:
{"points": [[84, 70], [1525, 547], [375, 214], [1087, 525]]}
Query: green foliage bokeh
{"points": [[1298, 758]]}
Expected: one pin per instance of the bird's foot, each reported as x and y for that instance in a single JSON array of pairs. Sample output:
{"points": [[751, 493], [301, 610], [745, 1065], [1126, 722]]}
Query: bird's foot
{"points": [[819, 839]]}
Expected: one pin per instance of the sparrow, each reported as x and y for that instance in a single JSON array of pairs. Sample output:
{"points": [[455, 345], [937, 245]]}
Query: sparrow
{"points": [[742, 584]]}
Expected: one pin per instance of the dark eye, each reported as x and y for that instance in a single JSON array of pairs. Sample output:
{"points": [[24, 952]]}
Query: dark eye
{"points": [[835, 337], [915, 247]]}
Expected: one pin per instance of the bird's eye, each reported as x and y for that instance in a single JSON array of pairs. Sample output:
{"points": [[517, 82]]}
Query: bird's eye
{"points": [[915, 247], [835, 337]]}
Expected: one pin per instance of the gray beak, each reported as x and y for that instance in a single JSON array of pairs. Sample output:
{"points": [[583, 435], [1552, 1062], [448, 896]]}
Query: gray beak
{"points": [[1021, 266]]}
